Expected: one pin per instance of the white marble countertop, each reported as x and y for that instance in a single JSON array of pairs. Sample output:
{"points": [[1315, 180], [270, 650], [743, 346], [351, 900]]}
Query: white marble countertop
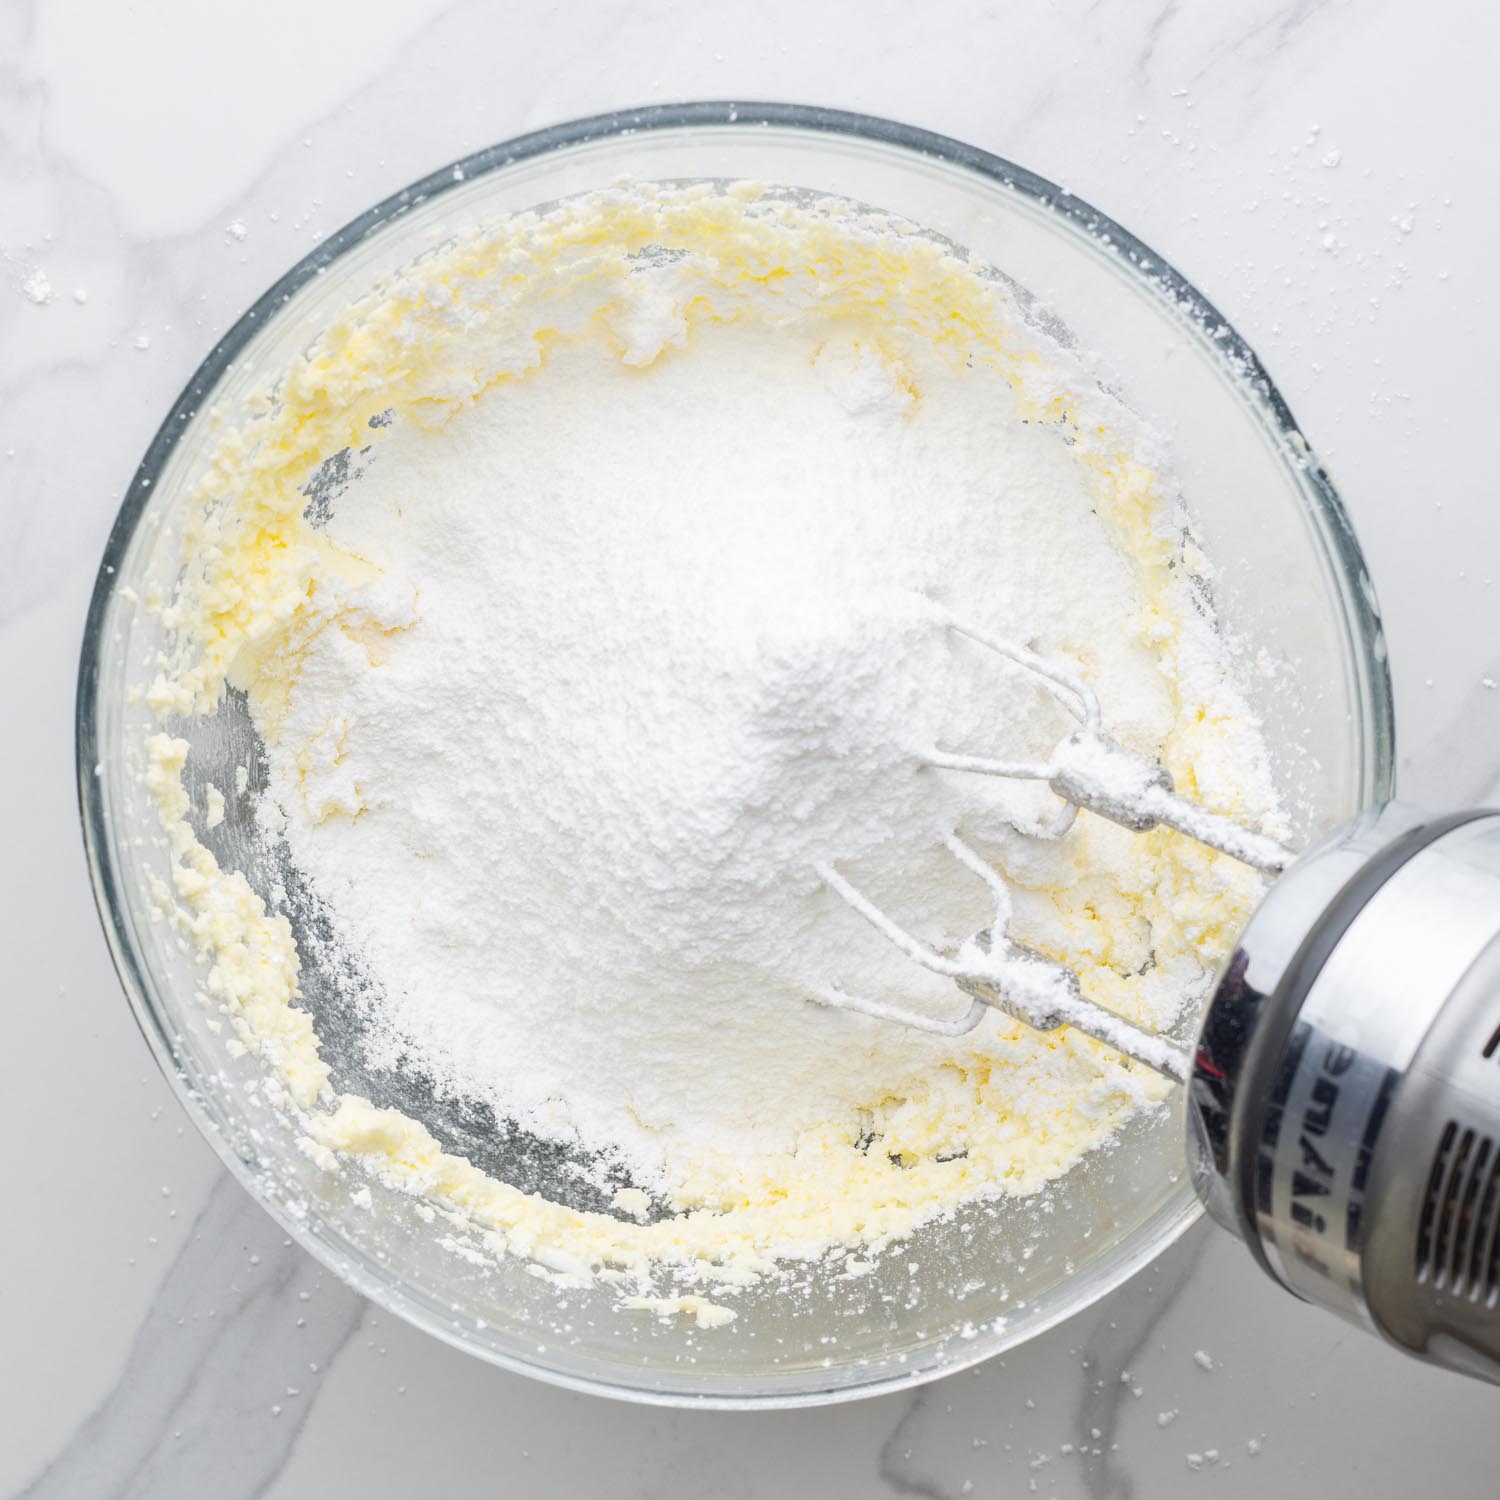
{"points": [[1323, 169]]}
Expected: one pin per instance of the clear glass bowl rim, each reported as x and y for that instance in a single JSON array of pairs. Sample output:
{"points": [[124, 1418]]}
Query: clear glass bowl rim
{"points": [[1330, 523]]}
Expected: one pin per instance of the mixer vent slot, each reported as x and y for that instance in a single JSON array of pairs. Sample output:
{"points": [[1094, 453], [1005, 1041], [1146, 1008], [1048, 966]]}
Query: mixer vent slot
{"points": [[1492, 1046], [1458, 1236]]}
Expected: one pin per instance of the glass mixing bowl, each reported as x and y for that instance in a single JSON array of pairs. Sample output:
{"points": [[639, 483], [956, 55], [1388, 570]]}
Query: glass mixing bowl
{"points": [[1291, 584]]}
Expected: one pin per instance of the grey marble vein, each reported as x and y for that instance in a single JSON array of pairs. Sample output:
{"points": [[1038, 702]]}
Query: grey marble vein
{"points": [[895, 1467], [1151, 36], [1122, 1329], [204, 1404], [1247, 52]]}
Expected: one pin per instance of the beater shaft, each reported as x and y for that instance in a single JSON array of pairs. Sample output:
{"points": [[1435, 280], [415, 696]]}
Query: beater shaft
{"points": [[996, 972], [1148, 1047]]}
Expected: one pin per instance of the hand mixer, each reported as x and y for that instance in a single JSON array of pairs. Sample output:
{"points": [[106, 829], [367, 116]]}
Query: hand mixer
{"points": [[1344, 1087]]}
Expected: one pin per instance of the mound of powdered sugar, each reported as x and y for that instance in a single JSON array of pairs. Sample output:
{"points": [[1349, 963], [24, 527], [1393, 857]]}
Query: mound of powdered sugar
{"points": [[647, 646]]}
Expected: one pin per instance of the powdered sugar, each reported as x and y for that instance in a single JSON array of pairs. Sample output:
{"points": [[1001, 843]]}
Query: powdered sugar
{"points": [[647, 639]]}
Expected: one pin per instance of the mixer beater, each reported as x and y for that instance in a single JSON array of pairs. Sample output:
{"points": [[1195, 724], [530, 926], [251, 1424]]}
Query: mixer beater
{"points": [[1089, 771]]}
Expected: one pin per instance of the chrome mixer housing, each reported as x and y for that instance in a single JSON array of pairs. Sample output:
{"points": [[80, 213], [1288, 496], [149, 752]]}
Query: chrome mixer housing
{"points": [[1344, 1103]]}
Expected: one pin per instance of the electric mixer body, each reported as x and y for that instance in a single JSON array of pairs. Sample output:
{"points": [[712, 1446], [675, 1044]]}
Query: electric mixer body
{"points": [[1344, 1103]]}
